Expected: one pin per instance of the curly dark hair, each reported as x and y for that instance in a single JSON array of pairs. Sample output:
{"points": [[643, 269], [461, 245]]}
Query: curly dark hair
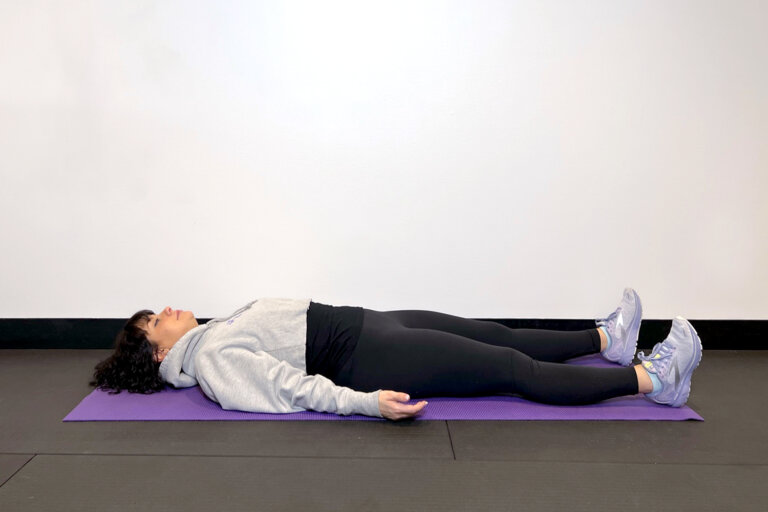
{"points": [[132, 366]]}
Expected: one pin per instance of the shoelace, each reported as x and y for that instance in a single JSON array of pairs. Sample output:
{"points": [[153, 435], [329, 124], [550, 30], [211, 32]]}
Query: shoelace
{"points": [[610, 322], [660, 358]]}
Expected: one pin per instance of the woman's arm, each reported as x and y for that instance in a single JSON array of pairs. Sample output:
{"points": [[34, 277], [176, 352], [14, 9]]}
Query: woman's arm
{"points": [[255, 381]]}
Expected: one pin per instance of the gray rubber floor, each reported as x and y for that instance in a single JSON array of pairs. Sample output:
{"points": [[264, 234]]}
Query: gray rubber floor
{"points": [[720, 464]]}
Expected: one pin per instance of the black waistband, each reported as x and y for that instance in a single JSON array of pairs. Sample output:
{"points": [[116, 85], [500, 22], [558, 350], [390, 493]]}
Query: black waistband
{"points": [[332, 335]]}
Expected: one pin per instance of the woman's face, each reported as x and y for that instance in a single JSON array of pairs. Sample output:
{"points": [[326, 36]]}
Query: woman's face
{"points": [[167, 327]]}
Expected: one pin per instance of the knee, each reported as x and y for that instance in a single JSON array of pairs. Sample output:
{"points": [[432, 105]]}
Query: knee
{"points": [[524, 367]]}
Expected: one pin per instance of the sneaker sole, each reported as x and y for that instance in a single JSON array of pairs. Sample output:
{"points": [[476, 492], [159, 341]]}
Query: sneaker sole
{"points": [[685, 388], [634, 329]]}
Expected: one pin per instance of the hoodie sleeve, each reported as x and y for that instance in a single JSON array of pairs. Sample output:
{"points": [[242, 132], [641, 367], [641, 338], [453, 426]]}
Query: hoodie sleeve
{"points": [[255, 381]]}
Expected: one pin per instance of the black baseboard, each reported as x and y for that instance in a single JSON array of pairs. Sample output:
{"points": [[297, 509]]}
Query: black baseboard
{"points": [[98, 333]]}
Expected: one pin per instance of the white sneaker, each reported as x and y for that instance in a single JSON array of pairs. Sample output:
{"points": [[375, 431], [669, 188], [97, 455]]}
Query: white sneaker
{"points": [[673, 361], [623, 325]]}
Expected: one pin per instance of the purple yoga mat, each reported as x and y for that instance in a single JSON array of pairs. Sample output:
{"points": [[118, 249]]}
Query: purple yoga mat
{"points": [[191, 404]]}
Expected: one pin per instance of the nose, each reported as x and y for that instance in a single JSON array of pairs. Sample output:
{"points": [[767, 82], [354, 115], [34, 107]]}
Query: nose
{"points": [[168, 310]]}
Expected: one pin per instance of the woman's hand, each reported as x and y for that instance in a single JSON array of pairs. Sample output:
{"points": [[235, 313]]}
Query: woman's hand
{"points": [[392, 408]]}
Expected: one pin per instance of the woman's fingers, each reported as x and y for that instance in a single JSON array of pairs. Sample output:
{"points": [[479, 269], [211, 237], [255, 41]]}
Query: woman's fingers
{"points": [[407, 410], [392, 405]]}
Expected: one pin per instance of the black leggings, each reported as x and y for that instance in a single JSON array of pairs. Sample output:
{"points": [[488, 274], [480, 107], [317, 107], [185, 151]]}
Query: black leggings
{"points": [[427, 354]]}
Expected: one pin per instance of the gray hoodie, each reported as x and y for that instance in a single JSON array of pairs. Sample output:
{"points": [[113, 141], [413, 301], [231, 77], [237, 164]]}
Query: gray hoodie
{"points": [[254, 360]]}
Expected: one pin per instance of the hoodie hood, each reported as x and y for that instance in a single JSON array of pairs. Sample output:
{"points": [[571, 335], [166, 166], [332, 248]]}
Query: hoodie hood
{"points": [[178, 365]]}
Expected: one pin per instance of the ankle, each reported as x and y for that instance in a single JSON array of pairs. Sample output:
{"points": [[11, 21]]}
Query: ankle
{"points": [[603, 338], [644, 382]]}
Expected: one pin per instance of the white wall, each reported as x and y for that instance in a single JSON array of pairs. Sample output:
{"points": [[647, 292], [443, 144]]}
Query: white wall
{"points": [[485, 158]]}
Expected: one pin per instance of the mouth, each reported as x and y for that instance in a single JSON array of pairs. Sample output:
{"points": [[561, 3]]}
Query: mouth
{"points": [[177, 314]]}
